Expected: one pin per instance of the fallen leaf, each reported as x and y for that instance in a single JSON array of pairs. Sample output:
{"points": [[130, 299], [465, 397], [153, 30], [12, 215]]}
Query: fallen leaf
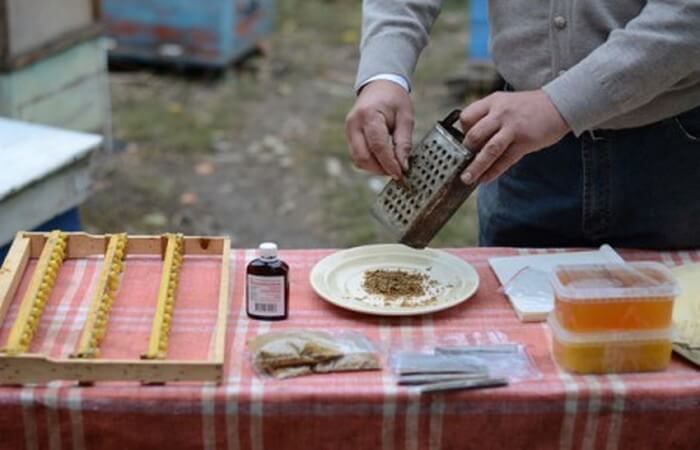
{"points": [[189, 198], [205, 168], [175, 108]]}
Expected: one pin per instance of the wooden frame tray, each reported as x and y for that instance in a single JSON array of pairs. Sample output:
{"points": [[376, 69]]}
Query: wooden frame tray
{"points": [[17, 365]]}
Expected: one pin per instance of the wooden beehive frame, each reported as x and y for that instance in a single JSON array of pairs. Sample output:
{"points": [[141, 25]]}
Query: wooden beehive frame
{"points": [[17, 366]]}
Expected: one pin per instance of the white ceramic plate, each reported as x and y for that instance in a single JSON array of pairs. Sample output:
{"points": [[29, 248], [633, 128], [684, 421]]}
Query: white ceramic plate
{"points": [[338, 278]]}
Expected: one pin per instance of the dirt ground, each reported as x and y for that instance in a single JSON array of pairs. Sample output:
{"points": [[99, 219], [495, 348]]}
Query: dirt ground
{"points": [[259, 152]]}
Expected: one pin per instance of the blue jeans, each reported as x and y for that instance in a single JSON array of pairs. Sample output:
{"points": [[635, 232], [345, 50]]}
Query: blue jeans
{"points": [[638, 188]]}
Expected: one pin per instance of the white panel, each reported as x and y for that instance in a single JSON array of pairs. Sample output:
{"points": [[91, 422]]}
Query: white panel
{"points": [[30, 152]]}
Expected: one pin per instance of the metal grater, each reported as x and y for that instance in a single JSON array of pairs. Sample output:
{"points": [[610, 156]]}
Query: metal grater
{"points": [[416, 208]]}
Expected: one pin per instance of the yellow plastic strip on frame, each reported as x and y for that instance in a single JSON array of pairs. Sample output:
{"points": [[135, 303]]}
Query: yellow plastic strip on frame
{"points": [[105, 291], [160, 331], [37, 294]]}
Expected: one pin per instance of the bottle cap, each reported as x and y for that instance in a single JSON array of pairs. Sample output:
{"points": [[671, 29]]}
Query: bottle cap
{"points": [[268, 250]]}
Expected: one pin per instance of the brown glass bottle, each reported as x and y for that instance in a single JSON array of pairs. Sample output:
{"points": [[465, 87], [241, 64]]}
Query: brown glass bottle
{"points": [[267, 285]]}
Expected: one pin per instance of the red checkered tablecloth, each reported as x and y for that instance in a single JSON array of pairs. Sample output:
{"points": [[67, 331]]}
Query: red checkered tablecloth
{"points": [[353, 410]]}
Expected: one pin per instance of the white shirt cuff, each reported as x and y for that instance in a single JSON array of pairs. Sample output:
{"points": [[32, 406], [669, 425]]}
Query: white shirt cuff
{"points": [[398, 79]]}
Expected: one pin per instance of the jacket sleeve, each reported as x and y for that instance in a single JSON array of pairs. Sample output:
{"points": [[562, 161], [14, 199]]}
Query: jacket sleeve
{"points": [[652, 53], [394, 32]]}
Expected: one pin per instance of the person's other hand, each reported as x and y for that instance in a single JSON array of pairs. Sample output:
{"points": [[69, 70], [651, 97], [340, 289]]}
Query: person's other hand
{"points": [[506, 126], [379, 128]]}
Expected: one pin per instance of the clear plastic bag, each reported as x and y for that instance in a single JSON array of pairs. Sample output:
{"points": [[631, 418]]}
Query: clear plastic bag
{"points": [[509, 361], [530, 290], [293, 353], [414, 363], [448, 367]]}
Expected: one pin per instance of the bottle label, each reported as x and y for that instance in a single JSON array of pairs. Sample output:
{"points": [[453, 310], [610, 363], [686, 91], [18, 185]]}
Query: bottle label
{"points": [[266, 295]]}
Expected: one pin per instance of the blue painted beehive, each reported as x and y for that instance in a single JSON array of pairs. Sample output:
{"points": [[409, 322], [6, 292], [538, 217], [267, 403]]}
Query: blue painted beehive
{"points": [[478, 30], [210, 33]]}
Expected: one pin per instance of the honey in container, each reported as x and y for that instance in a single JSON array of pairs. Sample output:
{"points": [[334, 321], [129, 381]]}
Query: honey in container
{"points": [[610, 352], [614, 297]]}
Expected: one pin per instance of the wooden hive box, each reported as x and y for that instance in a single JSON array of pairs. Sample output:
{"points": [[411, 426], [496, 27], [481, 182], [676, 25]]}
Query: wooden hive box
{"points": [[32, 29], [68, 89], [54, 180], [209, 33]]}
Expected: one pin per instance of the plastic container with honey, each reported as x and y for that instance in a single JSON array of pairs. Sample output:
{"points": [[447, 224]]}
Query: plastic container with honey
{"points": [[611, 352], [614, 297]]}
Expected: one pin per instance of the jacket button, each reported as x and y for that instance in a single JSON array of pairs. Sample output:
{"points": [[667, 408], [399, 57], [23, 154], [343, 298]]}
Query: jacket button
{"points": [[560, 22]]}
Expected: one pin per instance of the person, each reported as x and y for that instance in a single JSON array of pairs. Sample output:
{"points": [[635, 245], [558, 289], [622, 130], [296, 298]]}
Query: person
{"points": [[596, 138]]}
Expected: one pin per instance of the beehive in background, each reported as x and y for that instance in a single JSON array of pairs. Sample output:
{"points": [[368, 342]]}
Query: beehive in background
{"points": [[33, 29], [53, 67], [67, 89], [478, 48], [210, 33]]}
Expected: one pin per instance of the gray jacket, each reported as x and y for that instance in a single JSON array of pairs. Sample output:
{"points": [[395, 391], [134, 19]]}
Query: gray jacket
{"points": [[604, 63]]}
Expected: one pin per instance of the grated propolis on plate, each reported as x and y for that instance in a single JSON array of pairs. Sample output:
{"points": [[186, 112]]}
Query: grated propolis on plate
{"points": [[394, 283], [399, 287]]}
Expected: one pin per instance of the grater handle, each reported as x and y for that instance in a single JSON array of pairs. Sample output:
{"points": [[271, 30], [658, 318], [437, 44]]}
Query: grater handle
{"points": [[448, 124]]}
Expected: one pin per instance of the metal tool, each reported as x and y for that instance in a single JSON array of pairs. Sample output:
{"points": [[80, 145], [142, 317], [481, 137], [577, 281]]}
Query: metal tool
{"points": [[463, 384], [415, 208]]}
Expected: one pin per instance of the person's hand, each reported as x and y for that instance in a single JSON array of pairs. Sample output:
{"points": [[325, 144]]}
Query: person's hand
{"points": [[379, 128], [506, 126]]}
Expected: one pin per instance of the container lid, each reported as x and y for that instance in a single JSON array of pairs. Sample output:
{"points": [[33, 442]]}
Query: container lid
{"points": [[569, 337], [601, 282], [268, 250]]}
